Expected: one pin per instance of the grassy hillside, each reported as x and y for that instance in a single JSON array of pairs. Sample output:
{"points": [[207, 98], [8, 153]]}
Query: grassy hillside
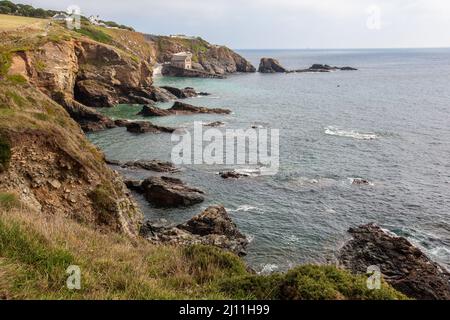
{"points": [[8, 22]]}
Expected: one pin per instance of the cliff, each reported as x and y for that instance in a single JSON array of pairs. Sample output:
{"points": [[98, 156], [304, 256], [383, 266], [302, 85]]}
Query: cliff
{"points": [[61, 205]]}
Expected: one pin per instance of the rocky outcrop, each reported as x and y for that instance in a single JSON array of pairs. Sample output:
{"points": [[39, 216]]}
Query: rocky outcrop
{"points": [[150, 165], [270, 65], [172, 71], [147, 127], [169, 192], [211, 227], [152, 111], [402, 264], [187, 92], [180, 108], [207, 58], [184, 108], [215, 124]]}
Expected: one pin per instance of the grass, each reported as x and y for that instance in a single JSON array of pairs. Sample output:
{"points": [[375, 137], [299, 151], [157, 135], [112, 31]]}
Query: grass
{"points": [[36, 249], [8, 201], [8, 22], [95, 33]]}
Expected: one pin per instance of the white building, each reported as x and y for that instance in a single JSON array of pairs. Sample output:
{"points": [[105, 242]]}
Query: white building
{"points": [[182, 60], [60, 17]]}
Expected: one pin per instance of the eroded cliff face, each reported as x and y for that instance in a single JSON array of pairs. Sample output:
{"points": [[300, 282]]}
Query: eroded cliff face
{"points": [[80, 74], [54, 169]]}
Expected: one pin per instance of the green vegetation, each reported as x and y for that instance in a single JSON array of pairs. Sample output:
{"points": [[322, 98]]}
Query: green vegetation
{"points": [[113, 24], [8, 7], [308, 282], [8, 201], [16, 79], [95, 33], [5, 153], [103, 201], [5, 63]]}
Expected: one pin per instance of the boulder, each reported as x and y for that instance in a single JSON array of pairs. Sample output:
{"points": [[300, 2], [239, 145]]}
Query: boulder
{"points": [[121, 123], [181, 93], [135, 185], [211, 227], [270, 65], [147, 127], [402, 264], [162, 95], [170, 192]]}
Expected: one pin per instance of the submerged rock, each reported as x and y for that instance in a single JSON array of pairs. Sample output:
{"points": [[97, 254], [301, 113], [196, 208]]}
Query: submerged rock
{"points": [[361, 182], [325, 68], [402, 264], [211, 227], [150, 165], [270, 65], [170, 192], [147, 127]]}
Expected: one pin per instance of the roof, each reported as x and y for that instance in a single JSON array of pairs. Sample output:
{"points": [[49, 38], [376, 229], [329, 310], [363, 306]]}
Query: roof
{"points": [[181, 56], [59, 16]]}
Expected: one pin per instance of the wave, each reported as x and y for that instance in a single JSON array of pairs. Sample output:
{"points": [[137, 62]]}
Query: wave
{"points": [[246, 208], [332, 131]]}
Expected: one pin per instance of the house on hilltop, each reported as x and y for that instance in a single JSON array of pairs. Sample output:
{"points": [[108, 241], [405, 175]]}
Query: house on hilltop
{"points": [[182, 60]]}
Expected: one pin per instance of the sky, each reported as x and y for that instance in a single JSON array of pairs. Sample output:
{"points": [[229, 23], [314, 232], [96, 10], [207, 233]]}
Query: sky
{"points": [[281, 24]]}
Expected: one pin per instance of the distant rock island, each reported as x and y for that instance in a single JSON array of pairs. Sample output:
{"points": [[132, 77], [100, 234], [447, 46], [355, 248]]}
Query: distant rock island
{"points": [[270, 65]]}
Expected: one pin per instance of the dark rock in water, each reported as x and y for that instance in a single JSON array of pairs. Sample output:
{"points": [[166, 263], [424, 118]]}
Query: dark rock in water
{"points": [[269, 65], [135, 185], [162, 95], [403, 265], [204, 94], [348, 69], [211, 227], [215, 124], [113, 162], [147, 127], [152, 111], [170, 192], [232, 175], [121, 123], [361, 182], [187, 92], [179, 108], [151, 165], [325, 68], [184, 108]]}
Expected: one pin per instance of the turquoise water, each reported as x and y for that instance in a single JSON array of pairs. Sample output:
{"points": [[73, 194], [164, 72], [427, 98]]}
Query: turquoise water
{"points": [[389, 123]]}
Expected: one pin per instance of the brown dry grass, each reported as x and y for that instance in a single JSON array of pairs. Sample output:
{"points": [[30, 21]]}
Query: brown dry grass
{"points": [[8, 22]]}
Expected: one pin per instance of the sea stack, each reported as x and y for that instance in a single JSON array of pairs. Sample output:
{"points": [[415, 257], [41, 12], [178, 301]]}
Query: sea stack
{"points": [[270, 65]]}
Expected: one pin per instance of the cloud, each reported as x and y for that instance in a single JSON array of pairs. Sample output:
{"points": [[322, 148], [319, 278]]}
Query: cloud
{"points": [[281, 23]]}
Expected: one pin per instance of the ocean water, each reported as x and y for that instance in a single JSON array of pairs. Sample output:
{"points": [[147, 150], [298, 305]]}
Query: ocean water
{"points": [[388, 123]]}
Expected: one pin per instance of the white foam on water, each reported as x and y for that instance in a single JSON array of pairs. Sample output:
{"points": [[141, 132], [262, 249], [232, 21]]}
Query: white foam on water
{"points": [[269, 268], [333, 131], [246, 208]]}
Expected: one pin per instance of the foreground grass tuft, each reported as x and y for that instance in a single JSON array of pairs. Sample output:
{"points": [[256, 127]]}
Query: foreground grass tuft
{"points": [[309, 282]]}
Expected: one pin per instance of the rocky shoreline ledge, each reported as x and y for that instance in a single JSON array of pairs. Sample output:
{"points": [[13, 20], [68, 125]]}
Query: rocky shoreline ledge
{"points": [[270, 65]]}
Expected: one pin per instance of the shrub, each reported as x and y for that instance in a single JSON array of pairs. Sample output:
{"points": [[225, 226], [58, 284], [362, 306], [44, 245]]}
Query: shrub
{"points": [[5, 153], [103, 203], [8, 201], [206, 262], [95, 34]]}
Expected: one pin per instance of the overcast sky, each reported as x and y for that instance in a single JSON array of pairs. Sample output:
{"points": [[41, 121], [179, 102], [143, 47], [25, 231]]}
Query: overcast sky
{"points": [[264, 24]]}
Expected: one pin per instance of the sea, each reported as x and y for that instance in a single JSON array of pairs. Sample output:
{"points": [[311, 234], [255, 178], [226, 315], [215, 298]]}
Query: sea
{"points": [[387, 123]]}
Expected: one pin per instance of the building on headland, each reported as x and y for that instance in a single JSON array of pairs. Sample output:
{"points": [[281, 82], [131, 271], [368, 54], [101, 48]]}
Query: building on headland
{"points": [[60, 17], [181, 36], [182, 60]]}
